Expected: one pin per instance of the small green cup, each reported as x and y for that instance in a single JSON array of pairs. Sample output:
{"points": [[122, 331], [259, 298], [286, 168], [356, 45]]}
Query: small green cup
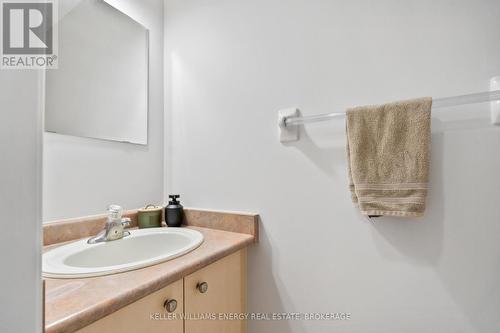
{"points": [[149, 217]]}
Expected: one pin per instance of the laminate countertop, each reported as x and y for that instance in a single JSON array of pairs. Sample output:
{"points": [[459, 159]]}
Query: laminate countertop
{"points": [[71, 304]]}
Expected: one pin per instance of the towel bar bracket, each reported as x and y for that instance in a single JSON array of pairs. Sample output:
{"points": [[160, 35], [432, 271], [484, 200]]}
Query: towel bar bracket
{"points": [[288, 133], [495, 105]]}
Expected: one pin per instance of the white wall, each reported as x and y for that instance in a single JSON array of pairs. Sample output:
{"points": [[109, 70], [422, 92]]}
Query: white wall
{"points": [[20, 201], [82, 176], [230, 65]]}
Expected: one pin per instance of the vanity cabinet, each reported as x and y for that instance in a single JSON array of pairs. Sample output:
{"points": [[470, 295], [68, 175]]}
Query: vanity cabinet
{"points": [[136, 317], [198, 303], [216, 292]]}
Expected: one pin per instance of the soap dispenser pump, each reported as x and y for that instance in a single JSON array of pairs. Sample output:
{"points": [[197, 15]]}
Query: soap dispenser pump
{"points": [[174, 211]]}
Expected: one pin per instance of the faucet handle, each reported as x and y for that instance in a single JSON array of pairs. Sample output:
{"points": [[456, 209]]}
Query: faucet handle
{"points": [[126, 222], [115, 211]]}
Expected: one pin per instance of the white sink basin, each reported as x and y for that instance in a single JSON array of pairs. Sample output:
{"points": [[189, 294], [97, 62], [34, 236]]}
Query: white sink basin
{"points": [[142, 248]]}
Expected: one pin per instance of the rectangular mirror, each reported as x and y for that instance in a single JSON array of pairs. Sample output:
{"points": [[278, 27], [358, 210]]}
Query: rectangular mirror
{"points": [[100, 89]]}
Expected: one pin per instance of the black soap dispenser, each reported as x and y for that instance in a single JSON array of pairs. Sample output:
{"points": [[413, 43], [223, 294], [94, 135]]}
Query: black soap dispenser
{"points": [[173, 212]]}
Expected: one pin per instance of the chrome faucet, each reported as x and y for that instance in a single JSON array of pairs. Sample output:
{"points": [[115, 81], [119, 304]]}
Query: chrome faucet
{"points": [[115, 226]]}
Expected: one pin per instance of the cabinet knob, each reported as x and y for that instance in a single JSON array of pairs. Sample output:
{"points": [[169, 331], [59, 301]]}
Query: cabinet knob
{"points": [[202, 287], [170, 305]]}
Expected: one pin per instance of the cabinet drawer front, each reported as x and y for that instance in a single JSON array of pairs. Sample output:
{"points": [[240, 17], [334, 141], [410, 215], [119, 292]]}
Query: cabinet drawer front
{"points": [[146, 315], [224, 292]]}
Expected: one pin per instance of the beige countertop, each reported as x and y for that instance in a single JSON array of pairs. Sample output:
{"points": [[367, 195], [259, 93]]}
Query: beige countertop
{"points": [[71, 304]]}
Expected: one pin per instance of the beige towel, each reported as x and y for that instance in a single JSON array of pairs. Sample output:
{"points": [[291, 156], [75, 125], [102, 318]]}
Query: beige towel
{"points": [[388, 150]]}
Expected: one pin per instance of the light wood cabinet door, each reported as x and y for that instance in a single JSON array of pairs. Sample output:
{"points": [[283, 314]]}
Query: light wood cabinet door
{"points": [[226, 294], [146, 315]]}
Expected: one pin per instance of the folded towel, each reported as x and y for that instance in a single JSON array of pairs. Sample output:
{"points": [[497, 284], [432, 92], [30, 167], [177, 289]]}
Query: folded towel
{"points": [[388, 151]]}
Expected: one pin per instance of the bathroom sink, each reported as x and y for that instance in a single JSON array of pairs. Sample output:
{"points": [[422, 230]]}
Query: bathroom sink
{"points": [[142, 248]]}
